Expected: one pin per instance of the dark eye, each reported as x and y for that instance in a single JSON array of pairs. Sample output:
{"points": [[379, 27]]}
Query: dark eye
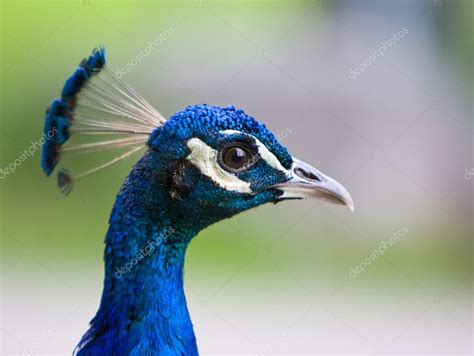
{"points": [[236, 158]]}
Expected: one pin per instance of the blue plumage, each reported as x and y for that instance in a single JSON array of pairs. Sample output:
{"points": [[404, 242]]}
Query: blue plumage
{"points": [[59, 116], [144, 207], [202, 165], [95, 62], [49, 157], [75, 83], [57, 120], [56, 132]]}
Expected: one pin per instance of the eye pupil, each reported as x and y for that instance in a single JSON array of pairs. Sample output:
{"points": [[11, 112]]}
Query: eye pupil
{"points": [[235, 157]]}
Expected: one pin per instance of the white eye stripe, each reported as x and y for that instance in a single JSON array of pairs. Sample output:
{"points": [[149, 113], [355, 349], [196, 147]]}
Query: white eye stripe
{"points": [[204, 158], [263, 151]]}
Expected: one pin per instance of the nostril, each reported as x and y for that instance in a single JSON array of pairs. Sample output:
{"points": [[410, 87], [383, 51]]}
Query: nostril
{"points": [[303, 173]]}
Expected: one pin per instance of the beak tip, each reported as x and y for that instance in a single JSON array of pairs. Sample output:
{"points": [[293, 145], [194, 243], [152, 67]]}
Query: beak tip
{"points": [[349, 203], [346, 201]]}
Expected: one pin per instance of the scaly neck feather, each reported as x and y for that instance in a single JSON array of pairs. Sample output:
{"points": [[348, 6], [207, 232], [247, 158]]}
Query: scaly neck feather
{"points": [[143, 307]]}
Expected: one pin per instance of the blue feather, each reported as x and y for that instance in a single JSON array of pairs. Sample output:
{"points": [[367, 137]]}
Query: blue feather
{"points": [[95, 62], [58, 120], [59, 117], [49, 157], [75, 83], [56, 133]]}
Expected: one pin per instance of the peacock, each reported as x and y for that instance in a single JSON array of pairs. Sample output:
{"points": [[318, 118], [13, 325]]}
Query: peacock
{"points": [[202, 165]]}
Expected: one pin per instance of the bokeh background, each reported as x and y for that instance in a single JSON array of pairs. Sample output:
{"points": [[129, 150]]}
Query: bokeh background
{"points": [[274, 279]]}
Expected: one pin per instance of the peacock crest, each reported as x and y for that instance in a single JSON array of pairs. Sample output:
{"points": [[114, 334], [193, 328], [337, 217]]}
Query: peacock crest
{"points": [[99, 105]]}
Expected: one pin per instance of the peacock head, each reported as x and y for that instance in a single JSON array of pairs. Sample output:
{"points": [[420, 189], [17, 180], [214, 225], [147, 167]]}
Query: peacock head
{"points": [[212, 161], [224, 162]]}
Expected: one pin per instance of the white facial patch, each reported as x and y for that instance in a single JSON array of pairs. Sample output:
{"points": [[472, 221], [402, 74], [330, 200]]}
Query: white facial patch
{"points": [[204, 158]]}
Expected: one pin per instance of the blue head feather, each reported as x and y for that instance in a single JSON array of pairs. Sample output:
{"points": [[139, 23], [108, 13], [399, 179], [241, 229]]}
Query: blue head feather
{"points": [[205, 121]]}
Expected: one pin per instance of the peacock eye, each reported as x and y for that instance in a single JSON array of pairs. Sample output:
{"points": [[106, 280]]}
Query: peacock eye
{"points": [[236, 158]]}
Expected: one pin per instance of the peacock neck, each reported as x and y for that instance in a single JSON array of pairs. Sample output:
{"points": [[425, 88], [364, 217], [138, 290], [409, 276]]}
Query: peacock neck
{"points": [[143, 307]]}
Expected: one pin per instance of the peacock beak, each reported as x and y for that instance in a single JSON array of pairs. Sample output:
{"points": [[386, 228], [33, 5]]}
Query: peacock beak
{"points": [[307, 182]]}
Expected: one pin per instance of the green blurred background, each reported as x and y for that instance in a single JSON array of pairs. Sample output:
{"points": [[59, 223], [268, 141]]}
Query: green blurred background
{"points": [[274, 279]]}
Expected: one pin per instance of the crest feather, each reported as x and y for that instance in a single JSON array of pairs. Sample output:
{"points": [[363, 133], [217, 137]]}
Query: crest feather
{"points": [[95, 103]]}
